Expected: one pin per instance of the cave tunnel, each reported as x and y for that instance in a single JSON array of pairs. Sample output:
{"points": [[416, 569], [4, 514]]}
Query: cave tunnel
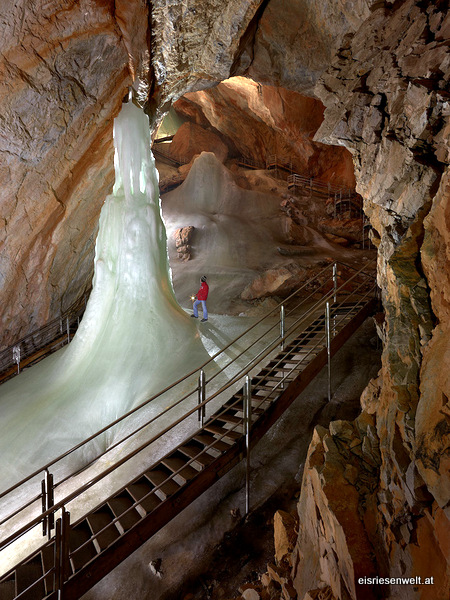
{"points": [[287, 136]]}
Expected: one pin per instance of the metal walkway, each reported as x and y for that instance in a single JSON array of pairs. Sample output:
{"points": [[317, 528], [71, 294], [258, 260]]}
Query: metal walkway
{"points": [[293, 349]]}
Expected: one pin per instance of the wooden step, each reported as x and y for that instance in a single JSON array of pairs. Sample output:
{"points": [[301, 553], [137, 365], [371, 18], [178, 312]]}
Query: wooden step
{"points": [[121, 507], [177, 462], [27, 575], [258, 407], [265, 385], [161, 478], [80, 534], [275, 376], [141, 491], [195, 450], [228, 417], [98, 521], [8, 588], [208, 439], [213, 427]]}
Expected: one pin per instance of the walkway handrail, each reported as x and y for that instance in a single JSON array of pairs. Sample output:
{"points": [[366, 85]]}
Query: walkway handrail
{"points": [[328, 294], [296, 179], [27, 343], [177, 382], [158, 394]]}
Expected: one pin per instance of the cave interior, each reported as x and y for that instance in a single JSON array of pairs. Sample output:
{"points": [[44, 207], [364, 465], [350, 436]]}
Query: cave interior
{"points": [[287, 135]]}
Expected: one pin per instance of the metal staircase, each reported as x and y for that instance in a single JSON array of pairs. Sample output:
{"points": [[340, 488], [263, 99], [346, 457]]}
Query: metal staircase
{"points": [[293, 349]]}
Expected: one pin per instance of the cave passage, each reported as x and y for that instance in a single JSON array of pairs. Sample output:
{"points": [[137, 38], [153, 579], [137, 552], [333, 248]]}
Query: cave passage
{"points": [[133, 340]]}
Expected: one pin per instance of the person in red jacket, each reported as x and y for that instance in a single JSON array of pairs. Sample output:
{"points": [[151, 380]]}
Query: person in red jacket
{"points": [[201, 297]]}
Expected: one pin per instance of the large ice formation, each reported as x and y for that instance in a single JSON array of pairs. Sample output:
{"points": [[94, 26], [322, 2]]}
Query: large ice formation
{"points": [[134, 338]]}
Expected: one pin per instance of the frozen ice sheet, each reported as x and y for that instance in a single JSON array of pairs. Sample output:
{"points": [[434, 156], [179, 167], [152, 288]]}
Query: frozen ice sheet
{"points": [[134, 337]]}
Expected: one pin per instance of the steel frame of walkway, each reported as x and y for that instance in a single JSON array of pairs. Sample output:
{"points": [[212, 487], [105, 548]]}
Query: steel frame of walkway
{"points": [[78, 555]]}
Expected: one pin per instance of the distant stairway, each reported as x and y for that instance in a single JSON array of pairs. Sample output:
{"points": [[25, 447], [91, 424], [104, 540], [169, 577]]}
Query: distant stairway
{"points": [[80, 554]]}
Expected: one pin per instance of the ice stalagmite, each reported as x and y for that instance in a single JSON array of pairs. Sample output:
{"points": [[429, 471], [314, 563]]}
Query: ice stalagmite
{"points": [[134, 338]]}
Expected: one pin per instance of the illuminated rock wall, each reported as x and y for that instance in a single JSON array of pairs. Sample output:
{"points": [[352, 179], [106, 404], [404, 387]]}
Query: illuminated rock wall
{"points": [[384, 101]]}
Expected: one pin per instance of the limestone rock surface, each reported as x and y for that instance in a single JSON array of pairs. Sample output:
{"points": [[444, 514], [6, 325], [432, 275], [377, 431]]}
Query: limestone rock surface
{"points": [[386, 102], [63, 72], [293, 41], [192, 139], [259, 122]]}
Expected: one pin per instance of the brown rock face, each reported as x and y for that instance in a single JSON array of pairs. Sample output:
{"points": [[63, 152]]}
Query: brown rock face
{"points": [[194, 46], [63, 74], [280, 281], [384, 101], [192, 139], [338, 493], [183, 237], [259, 121], [294, 41]]}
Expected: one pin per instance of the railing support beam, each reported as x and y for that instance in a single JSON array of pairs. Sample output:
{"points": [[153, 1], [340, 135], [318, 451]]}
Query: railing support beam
{"points": [[335, 282], [247, 425], [62, 564], [328, 343], [16, 357], [48, 501], [201, 397]]}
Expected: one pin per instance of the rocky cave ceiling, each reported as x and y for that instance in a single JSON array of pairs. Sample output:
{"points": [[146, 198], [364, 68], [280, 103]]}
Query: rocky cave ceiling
{"points": [[382, 70], [64, 70]]}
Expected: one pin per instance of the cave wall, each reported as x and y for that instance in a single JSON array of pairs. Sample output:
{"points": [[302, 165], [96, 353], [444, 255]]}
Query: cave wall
{"points": [[65, 68], [258, 121], [63, 72], [291, 42], [387, 100]]}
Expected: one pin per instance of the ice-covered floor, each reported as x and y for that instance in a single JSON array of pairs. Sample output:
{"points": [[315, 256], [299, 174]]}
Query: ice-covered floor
{"points": [[134, 337], [187, 543], [217, 333], [133, 341]]}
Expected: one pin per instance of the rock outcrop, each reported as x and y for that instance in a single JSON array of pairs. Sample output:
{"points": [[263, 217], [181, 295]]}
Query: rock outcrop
{"points": [[291, 42], [259, 121], [183, 237], [386, 102], [63, 75], [191, 140]]}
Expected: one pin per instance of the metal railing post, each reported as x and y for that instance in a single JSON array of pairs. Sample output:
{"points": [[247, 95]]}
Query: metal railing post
{"points": [[48, 500], [328, 341], [335, 282], [247, 425], [62, 565], [282, 326], [16, 357], [201, 396], [68, 330]]}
